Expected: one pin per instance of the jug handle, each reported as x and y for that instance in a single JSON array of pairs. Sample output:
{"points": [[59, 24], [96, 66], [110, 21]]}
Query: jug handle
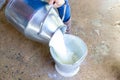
{"points": [[64, 12], [41, 24]]}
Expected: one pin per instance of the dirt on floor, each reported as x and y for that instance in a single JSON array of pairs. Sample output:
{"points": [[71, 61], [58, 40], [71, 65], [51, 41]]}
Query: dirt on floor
{"points": [[97, 22]]}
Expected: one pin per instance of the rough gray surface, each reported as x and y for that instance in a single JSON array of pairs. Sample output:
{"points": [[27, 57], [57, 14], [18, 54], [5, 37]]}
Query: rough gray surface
{"points": [[97, 22]]}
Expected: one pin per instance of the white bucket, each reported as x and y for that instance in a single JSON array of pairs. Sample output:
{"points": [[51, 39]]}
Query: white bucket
{"points": [[76, 45]]}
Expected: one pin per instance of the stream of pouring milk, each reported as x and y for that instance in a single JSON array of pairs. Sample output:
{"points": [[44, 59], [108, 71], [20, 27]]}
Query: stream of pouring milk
{"points": [[63, 53]]}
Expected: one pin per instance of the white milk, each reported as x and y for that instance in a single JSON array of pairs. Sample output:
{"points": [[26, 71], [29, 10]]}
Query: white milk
{"points": [[63, 53]]}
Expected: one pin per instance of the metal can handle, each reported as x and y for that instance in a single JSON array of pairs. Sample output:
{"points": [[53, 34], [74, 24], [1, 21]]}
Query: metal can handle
{"points": [[42, 22], [64, 12]]}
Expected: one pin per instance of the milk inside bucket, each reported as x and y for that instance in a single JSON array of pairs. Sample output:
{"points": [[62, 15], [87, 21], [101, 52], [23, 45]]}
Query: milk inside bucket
{"points": [[68, 52]]}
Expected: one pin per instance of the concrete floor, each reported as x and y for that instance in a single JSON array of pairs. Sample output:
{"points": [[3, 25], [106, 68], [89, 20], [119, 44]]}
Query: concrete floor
{"points": [[97, 22]]}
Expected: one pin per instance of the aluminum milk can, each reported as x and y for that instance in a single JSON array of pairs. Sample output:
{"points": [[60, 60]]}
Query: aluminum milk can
{"points": [[34, 18]]}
